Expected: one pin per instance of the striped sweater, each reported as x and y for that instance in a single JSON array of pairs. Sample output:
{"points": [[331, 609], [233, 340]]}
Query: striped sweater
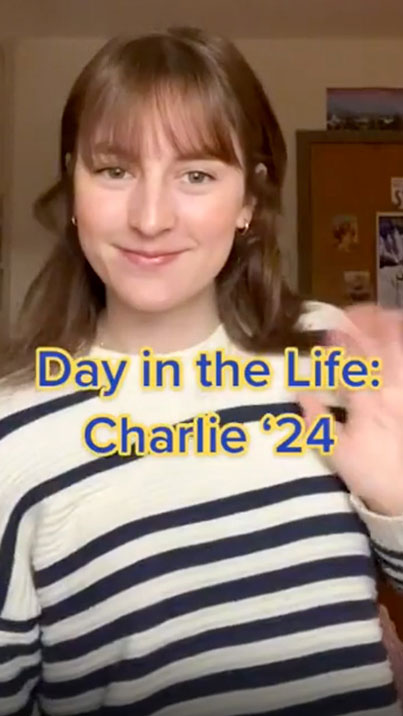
{"points": [[184, 585]]}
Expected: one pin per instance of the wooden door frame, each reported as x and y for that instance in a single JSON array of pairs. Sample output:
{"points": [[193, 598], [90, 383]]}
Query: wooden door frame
{"points": [[305, 139]]}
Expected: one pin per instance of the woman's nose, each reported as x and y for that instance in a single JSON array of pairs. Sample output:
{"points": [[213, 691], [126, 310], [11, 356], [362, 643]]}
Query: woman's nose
{"points": [[151, 209]]}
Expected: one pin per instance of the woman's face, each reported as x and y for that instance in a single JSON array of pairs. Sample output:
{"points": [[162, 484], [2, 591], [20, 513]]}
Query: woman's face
{"points": [[157, 233]]}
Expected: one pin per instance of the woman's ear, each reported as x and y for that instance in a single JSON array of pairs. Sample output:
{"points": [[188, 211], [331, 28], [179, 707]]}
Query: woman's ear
{"points": [[261, 174], [246, 215], [68, 161], [261, 170]]}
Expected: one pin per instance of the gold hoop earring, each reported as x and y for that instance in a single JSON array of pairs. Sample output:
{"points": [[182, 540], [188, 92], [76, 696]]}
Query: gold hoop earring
{"points": [[244, 229]]}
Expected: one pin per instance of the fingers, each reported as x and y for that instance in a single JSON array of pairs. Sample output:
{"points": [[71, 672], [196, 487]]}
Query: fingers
{"points": [[312, 408], [372, 332]]}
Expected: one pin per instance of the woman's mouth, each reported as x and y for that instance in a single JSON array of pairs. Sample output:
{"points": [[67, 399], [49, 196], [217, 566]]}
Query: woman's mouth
{"points": [[145, 258]]}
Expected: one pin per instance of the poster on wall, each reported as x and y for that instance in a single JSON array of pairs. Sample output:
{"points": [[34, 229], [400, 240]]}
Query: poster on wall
{"points": [[365, 108], [389, 233]]}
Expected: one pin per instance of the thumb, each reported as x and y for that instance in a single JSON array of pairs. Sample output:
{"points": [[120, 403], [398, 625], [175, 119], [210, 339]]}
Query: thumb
{"points": [[311, 406]]}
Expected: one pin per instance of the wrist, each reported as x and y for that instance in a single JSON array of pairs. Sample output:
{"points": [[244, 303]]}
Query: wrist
{"points": [[384, 508]]}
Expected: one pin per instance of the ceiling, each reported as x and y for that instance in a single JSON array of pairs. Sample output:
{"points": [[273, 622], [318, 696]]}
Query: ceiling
{"points": [[236, 18]]}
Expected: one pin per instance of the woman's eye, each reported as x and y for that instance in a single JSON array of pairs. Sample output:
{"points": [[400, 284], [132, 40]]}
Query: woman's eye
{"points": [[112, 172], [199, 177]]}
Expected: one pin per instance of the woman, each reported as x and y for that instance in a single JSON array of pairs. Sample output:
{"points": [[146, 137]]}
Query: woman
{"points": [[185, 584]]}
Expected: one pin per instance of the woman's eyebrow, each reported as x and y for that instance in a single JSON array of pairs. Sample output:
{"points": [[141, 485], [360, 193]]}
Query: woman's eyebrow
{"points": [[119, 151], [112, 149], [196, 156]]}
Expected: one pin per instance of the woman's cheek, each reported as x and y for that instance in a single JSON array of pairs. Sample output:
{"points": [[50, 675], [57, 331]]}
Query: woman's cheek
{"points": [[210, 217], [99, 210]]}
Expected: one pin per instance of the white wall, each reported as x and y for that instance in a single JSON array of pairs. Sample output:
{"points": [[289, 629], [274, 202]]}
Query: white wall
{"points": [[43, 71], [295, 73]]}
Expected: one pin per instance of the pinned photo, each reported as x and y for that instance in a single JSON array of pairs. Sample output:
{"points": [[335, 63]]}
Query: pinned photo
{"points": [[357, 286], [345, 232], [397, 191]]}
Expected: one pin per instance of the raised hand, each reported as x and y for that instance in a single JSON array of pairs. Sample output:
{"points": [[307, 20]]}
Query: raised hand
{"points": [[369, 452]]}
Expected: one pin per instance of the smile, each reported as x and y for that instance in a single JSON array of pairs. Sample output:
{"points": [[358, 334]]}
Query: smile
{"points": [[143, 258]]}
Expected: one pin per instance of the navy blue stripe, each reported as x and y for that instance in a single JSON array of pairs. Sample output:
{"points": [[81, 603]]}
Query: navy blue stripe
{"points": [[258, 677], [28, 709], [23, 417], [13, 651], [202, 512], [228, 592], [230, 636], [29, 415], [202, 553], [18, 627], [14, 686], [350, 702], [388, 565], [35, 495], [385, 553]]}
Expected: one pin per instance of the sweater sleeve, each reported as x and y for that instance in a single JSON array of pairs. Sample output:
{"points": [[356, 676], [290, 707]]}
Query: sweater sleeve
{"points": [[386, 534], [20, 660], [19, 615]]}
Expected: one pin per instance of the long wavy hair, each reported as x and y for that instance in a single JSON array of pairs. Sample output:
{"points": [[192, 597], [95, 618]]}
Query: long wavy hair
{"points": [[204, 83]]}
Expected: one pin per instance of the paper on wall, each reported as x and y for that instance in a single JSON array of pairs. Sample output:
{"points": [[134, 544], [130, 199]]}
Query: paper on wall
{"points": [[397, 191]]}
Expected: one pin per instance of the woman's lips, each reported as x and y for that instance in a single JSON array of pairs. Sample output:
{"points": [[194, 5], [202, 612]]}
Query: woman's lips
{"points": [[142, 258]]}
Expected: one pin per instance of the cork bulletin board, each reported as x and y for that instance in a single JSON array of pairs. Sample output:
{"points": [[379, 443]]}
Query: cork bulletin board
{"points": [[349, 185], [346, 183]]}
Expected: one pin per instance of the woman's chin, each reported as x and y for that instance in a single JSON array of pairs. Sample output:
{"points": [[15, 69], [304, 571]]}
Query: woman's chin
{"points": [[153, 303]]}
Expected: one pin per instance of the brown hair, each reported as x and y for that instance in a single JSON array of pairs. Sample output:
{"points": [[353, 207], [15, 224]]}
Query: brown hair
{"points": [[216, 96]]}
